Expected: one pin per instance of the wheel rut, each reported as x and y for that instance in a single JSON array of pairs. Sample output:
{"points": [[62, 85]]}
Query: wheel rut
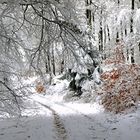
{"points": [[60, 130]]}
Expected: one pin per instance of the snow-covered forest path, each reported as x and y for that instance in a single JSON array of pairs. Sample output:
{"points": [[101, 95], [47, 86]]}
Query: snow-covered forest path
{"points": [[56, 120], [53, 121], [77, 121], [70, 122]]}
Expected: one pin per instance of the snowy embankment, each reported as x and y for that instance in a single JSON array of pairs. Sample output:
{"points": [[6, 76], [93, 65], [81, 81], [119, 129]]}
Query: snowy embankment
{"points": [[48, 117]]}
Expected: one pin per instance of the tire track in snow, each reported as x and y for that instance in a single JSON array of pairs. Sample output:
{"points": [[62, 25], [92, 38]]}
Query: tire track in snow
{"points": [[59, 126], [91, 119], [94, 122]]}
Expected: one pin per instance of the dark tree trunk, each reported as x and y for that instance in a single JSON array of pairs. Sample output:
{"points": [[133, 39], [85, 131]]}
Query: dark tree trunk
{"points": [[131, 30], [62, 66], [53, 61], [101, 35], [89, 13], [125, 32], [108, 33], [117, 37], [48, 64]]}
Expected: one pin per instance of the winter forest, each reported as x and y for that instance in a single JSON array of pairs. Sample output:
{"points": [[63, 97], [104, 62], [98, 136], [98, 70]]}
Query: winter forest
{"points": [[69, 69]]}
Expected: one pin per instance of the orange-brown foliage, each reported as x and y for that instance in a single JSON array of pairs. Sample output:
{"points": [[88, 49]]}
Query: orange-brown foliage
{"points": [[112, 75], [122, 88], [40, 88]]}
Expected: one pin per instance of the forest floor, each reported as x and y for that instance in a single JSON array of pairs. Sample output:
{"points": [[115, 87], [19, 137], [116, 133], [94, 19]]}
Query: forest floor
{"points": [[48, 117]]}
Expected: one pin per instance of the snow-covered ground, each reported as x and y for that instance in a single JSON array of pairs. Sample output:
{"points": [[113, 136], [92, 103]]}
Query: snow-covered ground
{"points": [[48, 117]]}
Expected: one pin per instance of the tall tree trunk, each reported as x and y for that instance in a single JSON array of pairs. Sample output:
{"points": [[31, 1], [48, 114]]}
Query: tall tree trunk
{"points": [[101, 34], [117, 34], [131, 24], [48, 64], [89, 13], [53, 61], [131, 30]]}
